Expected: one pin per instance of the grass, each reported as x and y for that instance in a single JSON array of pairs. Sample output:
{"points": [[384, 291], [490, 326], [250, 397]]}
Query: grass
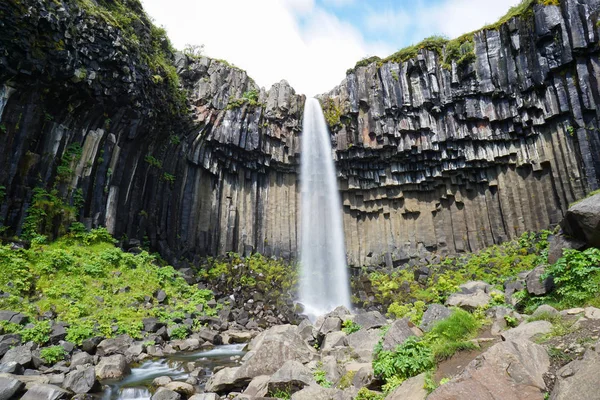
{"points": [[453, 334], [92, 285]]}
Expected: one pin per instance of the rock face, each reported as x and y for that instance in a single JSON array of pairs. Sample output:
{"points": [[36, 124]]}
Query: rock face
{"points": [[578, 379], [509, 370], [473, 154]]}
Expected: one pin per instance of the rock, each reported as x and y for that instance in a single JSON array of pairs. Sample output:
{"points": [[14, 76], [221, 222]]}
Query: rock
{"points": [[165, 394], [469, 302], [411, 389], [45, 392], [545, 309], [334, 339], [363, 342], [292, 377], [21, 355], [370, 320], [592, 313], [511, 370], [527, 330], [558, 243], [118, 345], [330, 324], [307, 331], [258, 386], [112, 367], [314, 392], [209, 335], [161, 381], [10, 387], [160, 296], [90, 345], [81, 358], [226, 380], [510, 287], [181, 387], [434, 313], [82, 380], [8, 341], [205, 396], [12, 368], [135, 350], [58, 334], [473, 287], [333, 371], [364, 377], [579, 379], [13, 317], [537, 286], [582, 221], [152, 324], [399, 331]]}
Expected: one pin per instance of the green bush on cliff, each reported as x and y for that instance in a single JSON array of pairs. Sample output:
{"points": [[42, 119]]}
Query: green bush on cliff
{"points": [[92, 285]]}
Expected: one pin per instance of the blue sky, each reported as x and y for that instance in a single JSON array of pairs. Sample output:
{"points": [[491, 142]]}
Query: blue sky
{"points": [[311, 43]]}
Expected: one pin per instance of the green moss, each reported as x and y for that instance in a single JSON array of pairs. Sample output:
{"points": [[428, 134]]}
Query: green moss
{"points": [[332, 112], [250, 98], [53, 354]]}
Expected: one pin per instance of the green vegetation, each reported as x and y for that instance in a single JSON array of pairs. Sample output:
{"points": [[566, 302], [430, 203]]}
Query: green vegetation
{"points": [[53, 354], [154, 162], [332, 112], [350, 327], [179, 332], [72, 154], [321, 379], [453, 334], [595, 192], [250, 98], [92, 285], [404, 297], [283, 394], [366, 394], [48, 214], [168, 177]]}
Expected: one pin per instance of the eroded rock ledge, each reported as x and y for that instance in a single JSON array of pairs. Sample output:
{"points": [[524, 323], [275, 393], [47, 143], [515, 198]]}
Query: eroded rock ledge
{"points": [[430, 159]]}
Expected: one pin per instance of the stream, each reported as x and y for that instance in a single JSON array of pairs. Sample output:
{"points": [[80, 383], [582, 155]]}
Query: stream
{"points": [[177, 366]]}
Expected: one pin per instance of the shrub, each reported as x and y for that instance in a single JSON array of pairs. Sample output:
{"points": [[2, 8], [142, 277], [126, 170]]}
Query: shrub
{"points": [[451, 334], [179, 332], [366, 394], [53, 354], [321, 379], [408, 359], [350, 327], [39, 333]]}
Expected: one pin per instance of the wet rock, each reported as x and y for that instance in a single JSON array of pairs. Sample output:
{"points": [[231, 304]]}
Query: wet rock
{"points": [[537, 286], [165, 394], [112, 367], [434, 313], [82, 380], [411, 389]]}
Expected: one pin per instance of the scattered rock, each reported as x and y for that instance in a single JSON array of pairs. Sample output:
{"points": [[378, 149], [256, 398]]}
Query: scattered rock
{"points": [[205, 396], [161, 381], [592, 313], [181, 387], [226, 380], [545, 309], [469, 302], [334, 339], [152, 324], [292, 377], [558, 243], [363, 342], [434, 313], [8, 341], [82, 380], [165, 394], [370, 320], [527, 330], [118, 345], [21, 355], [411, 389], [399, 331], [258, 386], [13, 317], [112, 367], [537, 286], [314, 392], [364, 377], [45, 392], [579, 379]]}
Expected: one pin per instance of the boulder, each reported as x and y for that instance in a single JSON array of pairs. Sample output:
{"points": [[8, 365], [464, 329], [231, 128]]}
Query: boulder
{"points": [[90, 345], [315, 392], [81, 358], [161, 381], [118, 345], [209, 335], [527, 330], [10, 387], [13, 317], [582, 221], [545, 309], [82, 380], [258, 386], [165, 394], [510, 370], [592, 313], [8, 341], [558, 243], [21, 355], [12, 368], [411, 389], [152, 324], [330, 324], [112, 367], [370, 320], [205, 396], [57, 334], [579, 379], [181, 387], [537, 286], [225, 381], [473, 287], [45, 392], [292, 377], [470, 301], [399, 331], [363, 342], [364, 377], [510, 288], [307, 331], [434, 313], [334, 339]]}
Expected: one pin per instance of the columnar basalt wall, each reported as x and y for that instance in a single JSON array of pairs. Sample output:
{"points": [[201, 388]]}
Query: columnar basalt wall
{"points": [[431, 157]]}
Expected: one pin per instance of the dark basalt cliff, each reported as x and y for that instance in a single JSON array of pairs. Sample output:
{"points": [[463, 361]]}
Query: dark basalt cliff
{"points": [[431, 156]]}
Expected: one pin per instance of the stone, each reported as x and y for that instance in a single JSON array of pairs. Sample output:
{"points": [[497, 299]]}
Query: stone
{"points": [[592, 313], [165, 394], [45, 392], [363, 342], [57, 334], [537, 286], [21, 355], [370, 320], [434, 313], [161, 381], [181, 387], [82, 380], [330, 324], [411, 389], [160, 296], [118, 345], [292, 377], [13, 317], [10, 387], [511, 370], [364, 377], [90, 345], [527, 330], [558, 243], [205, 396], [582, 221], [8, 341], [209, 335], [545, 309], [334, 339], [473, 287], [579, 378], [112, 367], [510, 288], [12, 367], [399, 331], [226, 380], [239, 336], [469, 302], [314, 392], [258, 387], [152, 324]]}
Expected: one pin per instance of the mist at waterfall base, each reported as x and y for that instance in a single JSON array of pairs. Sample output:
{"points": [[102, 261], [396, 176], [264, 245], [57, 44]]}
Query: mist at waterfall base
{"points": [[323, 273]]}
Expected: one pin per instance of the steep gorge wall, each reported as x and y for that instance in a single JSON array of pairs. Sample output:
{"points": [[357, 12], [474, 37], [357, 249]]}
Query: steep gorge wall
{"points": [[429, 159]]}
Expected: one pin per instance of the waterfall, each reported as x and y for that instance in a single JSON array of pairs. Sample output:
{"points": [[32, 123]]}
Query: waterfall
{"points": [[323, 272]]}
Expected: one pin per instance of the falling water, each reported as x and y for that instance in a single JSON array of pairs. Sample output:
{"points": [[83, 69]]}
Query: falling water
{"points": [[324, 276]]}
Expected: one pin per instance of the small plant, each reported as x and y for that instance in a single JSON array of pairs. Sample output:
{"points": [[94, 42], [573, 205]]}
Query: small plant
{"points": [[408, 359], [168, 178], [283, 394], [511, 321], [350, 327], [366, 394], [571, 131], [39, 333], [53, 354], [78, 333], [2, 128], [154, 162], [452, 334], [193, 50], [179, 332], [174, 139], [321, 379]]}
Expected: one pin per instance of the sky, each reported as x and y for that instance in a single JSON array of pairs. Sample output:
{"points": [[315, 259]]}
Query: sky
{"points": [[311, 43]]}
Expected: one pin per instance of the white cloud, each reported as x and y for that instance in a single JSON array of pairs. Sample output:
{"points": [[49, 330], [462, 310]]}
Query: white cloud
{"points": [[339, 3], [266, 39], [390, 21]]}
